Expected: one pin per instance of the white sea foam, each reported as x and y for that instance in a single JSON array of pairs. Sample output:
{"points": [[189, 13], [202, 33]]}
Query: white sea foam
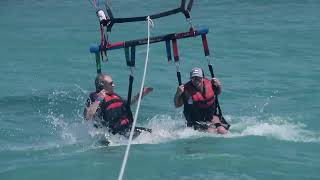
{"points": [[63, 127], [165, 128], [273, 127]]}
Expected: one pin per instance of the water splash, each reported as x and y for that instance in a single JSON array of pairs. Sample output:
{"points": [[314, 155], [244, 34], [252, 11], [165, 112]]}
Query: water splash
{"points": [[71, 128], [165, 129], [274, 127]]}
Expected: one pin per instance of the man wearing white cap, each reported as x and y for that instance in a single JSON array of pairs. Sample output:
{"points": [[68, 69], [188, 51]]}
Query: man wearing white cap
{"points": [[198, 98]]}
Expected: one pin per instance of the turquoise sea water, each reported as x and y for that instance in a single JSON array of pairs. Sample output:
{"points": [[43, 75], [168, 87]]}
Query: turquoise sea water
{"points": [[266, 55]]}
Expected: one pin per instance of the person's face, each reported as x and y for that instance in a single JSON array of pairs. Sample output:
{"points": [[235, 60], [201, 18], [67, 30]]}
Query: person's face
{"points": [[107, 83], [197, 81]]}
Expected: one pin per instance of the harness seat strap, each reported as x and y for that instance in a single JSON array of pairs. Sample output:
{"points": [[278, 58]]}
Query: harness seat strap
{"points": [[205, 45], [168, 49]]}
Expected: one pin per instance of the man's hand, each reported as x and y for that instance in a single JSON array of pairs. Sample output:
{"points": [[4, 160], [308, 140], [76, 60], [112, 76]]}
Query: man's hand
{"points": [[145, 91], [216, 85], [216, 82], [102, 94], [180, 90], [92, 109], [178, 102]]}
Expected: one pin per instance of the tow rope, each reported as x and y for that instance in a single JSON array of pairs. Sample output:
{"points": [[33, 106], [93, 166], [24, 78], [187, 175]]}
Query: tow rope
{"points": [[126, 155]]}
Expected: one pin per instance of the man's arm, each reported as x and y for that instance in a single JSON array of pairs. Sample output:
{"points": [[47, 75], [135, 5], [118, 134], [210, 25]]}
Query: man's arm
{"points": [[91, 107], [146, 90], [216, 86], [178, 100], [90, 110]]}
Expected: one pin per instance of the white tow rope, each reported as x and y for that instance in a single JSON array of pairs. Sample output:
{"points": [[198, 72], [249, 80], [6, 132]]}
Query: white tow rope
{"points": [[124, 162]]}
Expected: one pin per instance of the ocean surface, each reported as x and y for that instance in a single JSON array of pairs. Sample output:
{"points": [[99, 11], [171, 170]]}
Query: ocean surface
{"points": [[264, 52]]}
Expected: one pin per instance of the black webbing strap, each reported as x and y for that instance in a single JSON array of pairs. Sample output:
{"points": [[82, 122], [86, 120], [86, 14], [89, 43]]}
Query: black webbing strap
{"points": [[133, 56], [131, 61], [130, 55], [131, 78], [111, 20], [168, 50], [176, 59], [98, 62], [179, 78], [207, 54]]}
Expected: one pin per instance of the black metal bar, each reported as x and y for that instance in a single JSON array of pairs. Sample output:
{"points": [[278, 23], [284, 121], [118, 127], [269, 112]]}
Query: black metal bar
{"points": [[111, 21], [155, 39], [190, 5]]}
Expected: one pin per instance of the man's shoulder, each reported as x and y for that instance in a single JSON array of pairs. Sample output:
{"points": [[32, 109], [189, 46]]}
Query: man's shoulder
{"points": [[117, 95], [93, 95]]}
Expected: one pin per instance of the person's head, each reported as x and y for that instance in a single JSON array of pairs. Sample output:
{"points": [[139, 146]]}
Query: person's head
{"points": [[196, 77], [104, 81]]}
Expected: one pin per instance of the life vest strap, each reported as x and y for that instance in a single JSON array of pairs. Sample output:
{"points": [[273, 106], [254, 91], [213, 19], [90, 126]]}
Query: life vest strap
{"points": [[175, 50], [113, 103], [168, 50], [176, 59], [130, 54], [131, 78], [205, 45], [98, 62]]}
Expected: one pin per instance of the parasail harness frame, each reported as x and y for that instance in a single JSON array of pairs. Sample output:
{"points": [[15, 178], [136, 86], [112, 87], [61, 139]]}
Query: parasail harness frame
{"points": [[130, 46], [109, 22]]}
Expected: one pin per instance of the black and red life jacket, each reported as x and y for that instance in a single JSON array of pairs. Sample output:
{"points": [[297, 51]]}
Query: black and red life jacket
{"points": [[199, 106], [116, 113]]}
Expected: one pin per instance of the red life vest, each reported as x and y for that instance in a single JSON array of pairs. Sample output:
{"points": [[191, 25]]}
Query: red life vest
{"points": [[114, 110], [113, 101], [200, 100]]}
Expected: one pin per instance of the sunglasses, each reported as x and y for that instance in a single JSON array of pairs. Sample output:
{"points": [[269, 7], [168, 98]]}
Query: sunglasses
{"points": [[110, 83], [196, 78]]}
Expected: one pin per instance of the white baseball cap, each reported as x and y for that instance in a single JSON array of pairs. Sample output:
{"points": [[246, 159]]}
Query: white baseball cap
{"points": [[196, 72]]}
